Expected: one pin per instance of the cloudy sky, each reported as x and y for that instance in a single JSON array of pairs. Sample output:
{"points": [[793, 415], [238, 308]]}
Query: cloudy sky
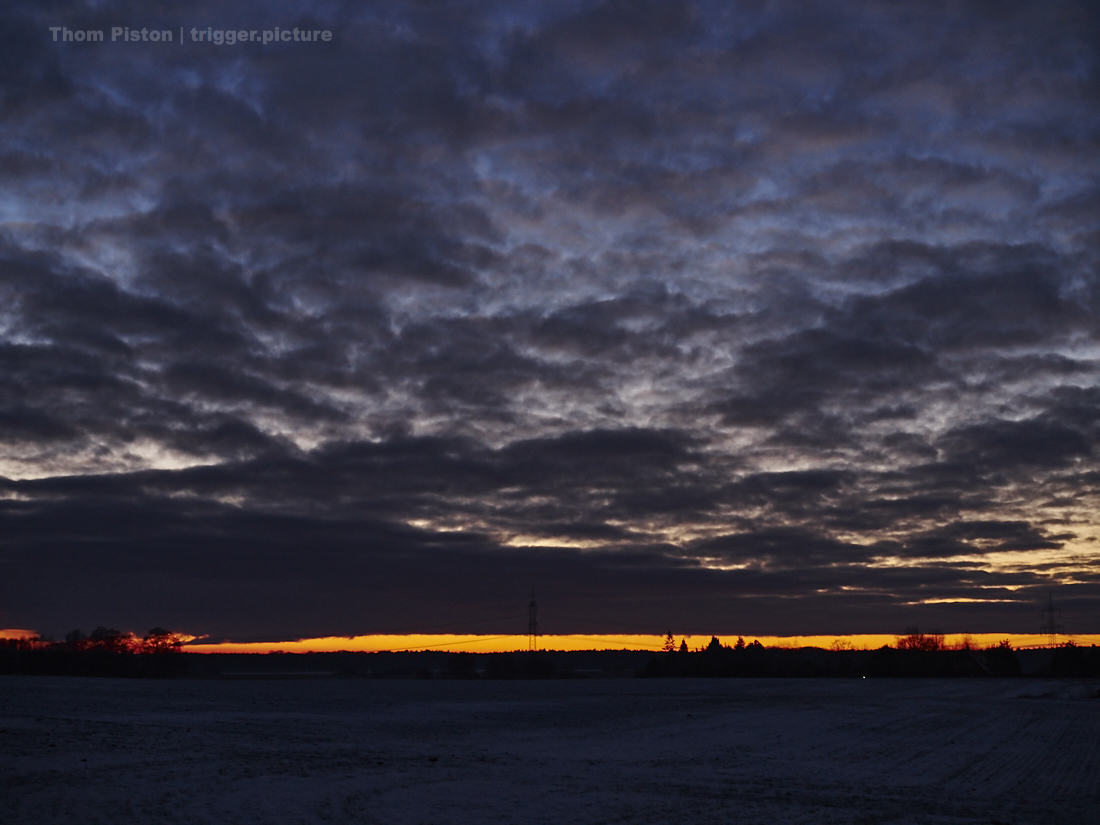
{"points": [[757, 317]]}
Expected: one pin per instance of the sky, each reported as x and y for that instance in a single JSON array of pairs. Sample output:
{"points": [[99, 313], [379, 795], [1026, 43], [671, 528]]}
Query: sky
{"points": [[761, 318]]}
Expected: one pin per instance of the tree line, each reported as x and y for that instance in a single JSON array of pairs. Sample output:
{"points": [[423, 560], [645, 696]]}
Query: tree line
{"points": [[109, 640], [103, 652]]}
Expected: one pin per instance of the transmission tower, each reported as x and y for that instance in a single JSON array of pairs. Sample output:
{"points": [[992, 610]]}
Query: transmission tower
{"points": [[1052, 628], [533, 623]]}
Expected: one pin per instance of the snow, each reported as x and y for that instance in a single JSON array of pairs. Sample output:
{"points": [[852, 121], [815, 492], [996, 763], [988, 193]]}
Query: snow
{"points": [[573, 751]]}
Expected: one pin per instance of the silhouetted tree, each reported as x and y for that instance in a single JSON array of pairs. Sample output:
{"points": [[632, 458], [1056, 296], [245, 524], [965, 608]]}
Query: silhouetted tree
{"points": [[109, 640], [915, 640], [159, 640], [683, 646], [740, 643], [1001, 659], [670, 644]]}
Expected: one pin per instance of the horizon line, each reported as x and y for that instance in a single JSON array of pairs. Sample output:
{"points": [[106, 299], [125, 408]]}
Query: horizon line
{"points": [[486, 643], [511, 643]]}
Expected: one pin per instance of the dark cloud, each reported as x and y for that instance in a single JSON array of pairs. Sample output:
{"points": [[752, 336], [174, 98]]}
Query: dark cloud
{"points": [[1012, 444], [783, 547], [694, 314]]}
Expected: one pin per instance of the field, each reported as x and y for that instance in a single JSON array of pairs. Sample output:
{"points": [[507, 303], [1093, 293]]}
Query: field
{"points": [[581, 751]]}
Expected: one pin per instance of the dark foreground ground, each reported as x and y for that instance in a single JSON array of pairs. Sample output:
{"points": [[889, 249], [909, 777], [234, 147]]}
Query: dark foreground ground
{"points": [[985, 751]]}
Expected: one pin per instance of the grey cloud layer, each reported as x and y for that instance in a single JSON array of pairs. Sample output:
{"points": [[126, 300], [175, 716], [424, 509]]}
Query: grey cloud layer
{"points": [[783, 305]]}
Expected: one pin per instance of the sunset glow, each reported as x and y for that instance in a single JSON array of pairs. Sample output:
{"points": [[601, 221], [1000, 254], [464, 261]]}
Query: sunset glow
{"points": [[15, 633], [506, 644]]}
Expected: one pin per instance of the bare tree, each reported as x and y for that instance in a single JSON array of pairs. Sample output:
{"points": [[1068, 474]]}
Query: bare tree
{"points": [[915, 640], [112, 641], [159, 640]]}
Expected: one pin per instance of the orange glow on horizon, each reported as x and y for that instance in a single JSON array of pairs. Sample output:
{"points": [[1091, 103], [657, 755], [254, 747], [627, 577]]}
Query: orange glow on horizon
{"points": [[514, 643], [16, 633]]}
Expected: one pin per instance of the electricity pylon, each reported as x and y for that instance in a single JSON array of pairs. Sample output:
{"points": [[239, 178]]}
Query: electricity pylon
{"points": [[533, 623], [1052, 628]]}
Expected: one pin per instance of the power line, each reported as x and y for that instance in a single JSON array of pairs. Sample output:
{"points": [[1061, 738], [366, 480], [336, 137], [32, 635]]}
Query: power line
{"points": [[445, 644], [617, 641]]}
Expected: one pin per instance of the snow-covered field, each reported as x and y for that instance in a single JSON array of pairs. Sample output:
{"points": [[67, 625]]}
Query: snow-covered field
{"points": [[631, 750]]}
